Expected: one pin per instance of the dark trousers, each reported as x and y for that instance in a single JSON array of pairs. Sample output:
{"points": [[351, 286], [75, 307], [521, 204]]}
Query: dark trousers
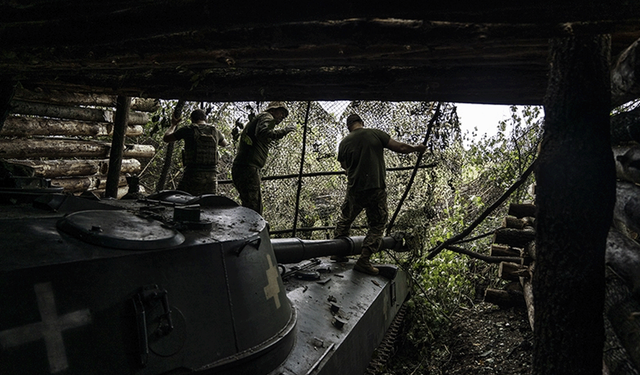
{"points": [[247, 181], [374, 203]]}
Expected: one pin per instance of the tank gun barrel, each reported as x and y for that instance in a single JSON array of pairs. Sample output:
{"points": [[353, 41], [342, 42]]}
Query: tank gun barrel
{"points": [[295, 250]]}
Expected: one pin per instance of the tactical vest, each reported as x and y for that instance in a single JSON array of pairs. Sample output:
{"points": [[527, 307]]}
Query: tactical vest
{"points": [[205, 152]]}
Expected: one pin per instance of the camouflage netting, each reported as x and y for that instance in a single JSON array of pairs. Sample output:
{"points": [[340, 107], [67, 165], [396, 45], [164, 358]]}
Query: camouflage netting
{"points": [[310, 203]]}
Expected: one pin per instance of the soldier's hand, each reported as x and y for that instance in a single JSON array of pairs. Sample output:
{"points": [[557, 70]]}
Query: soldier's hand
{"points": [[175, 121]]}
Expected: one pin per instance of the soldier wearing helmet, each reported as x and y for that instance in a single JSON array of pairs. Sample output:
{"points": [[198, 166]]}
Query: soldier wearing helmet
{"points": [[253, 150]]}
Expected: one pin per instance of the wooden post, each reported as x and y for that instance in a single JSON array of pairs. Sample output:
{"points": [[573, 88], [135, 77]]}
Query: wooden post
{"points": [[123, 103], [7, 90], [574, 200]]}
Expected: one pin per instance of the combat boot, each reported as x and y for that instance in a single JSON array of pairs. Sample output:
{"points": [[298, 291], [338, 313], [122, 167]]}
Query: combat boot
{"points": [[363, 265]]}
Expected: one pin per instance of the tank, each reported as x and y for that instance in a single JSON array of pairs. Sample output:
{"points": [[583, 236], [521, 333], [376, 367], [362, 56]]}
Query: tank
{"points": [[176, 284]]}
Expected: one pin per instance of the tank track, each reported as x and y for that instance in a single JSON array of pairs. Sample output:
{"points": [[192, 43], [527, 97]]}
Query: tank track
{"points": [[386, 349]]}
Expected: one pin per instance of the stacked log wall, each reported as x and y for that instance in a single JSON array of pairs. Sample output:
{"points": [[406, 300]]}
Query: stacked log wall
{"points": [[66, 138], [622, 296], [622, 257]]}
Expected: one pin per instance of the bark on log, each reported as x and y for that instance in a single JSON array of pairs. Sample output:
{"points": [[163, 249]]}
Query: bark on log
{"points": [[622, 310], [623, 257], [65, 98], [520, 210], [625, 76], [19, 126], [66, 148], [145, 104], [514, 237], [60, 168], [7, 91], [504, 298], [527, 290], [79, 184], [488, 259], [123, 103], [615, 355], [575, 195], [531, 250], [86, 99], [627, 162], [512, 271], [626, 212], [625, 127], [501, 250], [513, 222], [75, 113]]}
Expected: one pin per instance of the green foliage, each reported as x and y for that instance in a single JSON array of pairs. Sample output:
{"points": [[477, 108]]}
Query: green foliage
{"points": [[442, 201], [465, 182]]}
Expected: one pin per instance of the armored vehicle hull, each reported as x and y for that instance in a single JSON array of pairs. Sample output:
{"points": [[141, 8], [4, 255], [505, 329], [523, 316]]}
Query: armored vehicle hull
{"points": [[178, 284]]}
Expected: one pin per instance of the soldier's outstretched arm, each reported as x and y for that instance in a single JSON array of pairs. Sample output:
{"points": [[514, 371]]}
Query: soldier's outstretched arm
{"points": [[404, 148], [168, 135], [265, 128]]}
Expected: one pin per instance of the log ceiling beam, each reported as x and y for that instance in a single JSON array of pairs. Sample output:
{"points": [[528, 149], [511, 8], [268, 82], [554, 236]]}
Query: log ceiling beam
{"points": [[196, 50]]}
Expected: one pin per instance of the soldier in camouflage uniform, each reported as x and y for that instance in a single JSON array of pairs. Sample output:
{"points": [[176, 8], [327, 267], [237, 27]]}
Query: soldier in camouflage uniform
{"points": [[361, 154], [201, 141], [253, 150]]}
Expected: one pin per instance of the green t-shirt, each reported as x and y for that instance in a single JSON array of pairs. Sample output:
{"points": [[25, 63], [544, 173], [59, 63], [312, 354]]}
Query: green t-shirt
{"points": [[361, 154]]}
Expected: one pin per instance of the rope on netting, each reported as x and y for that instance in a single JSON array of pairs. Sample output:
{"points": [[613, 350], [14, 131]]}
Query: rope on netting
{"points": [[415, 169], [304, 147]]}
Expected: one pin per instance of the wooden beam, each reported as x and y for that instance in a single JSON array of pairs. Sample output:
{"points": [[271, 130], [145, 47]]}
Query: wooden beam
{"points": [[625, 127], [627, 162], [84, 99], [143, 19], [75, 113], [70, 167], [123, 103], [626, 212], [7, 90], [84, 183], [66, 148], [575, 195], [625, 76], [22, 126], [621, 308]]}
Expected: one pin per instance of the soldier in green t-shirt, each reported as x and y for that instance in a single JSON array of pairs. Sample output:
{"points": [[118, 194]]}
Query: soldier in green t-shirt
{"points": [[361, 154], [253, 150], [201, 141]]}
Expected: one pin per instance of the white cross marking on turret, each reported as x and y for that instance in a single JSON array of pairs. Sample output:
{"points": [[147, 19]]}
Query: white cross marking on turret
{"points": [[272, 289], [50, 329]]}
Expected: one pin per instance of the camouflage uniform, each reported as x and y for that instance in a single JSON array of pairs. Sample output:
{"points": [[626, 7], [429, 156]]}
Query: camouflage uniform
{"points": [[374, 203], [251, 157], [361, 154], [200, 158], [247, 181]]}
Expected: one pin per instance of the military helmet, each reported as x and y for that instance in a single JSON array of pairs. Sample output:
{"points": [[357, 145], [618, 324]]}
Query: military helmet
{"points": [[274, 105]]}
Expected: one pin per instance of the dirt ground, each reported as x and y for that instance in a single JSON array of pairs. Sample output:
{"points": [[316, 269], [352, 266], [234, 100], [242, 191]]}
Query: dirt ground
{"points": [[480, 340], [487, 340]]}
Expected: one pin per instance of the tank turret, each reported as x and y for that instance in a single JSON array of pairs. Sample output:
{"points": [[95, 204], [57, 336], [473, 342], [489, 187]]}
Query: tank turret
{"points": [[174, 284]]}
